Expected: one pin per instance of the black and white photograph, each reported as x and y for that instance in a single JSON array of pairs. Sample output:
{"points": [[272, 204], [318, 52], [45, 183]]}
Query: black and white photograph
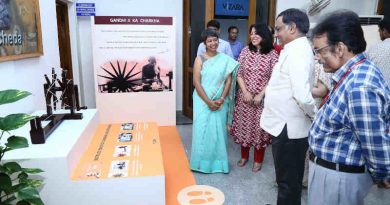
{"points": [[125, 137], [127, 126]]}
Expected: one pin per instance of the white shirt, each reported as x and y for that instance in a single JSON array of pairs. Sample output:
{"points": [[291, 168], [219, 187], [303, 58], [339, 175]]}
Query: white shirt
{"points": [[223, 47], [290, 84], [380, 55]]}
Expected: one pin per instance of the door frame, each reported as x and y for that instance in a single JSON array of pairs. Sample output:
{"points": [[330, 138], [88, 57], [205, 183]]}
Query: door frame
{"points": [[271, 12], [209, 15], [65, 50], [187, 70]]}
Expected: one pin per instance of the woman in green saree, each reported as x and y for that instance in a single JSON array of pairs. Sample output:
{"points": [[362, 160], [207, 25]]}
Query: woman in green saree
{"points": [[212, 79]]}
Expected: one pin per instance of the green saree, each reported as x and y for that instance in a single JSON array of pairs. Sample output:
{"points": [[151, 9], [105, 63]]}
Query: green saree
{"points": [[209, 133]]}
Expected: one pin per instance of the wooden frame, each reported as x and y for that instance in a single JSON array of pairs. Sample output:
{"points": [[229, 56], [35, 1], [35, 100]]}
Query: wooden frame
{"points": [[20, 32], [186, 58], [209, 12], [64, 37], [251, 16], [271, 12], [380, 10]]}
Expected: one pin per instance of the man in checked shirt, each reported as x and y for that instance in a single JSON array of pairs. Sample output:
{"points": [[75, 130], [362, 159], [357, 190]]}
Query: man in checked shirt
{"points": [[349, 138]]}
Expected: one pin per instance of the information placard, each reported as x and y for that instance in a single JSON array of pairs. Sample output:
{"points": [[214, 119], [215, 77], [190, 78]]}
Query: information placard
{"points": [[134, 61]]}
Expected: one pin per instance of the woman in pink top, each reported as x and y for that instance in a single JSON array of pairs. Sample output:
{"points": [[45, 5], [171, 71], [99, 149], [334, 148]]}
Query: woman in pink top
{"points": [[256, 63]]}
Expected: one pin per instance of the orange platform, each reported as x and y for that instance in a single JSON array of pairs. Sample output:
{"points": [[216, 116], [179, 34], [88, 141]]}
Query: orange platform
{"points": [[165, 156], [115, 153], [177, 170]]}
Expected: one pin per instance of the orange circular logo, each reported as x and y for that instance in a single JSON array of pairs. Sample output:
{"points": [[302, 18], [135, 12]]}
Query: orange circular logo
{"points": [[201, 195]]}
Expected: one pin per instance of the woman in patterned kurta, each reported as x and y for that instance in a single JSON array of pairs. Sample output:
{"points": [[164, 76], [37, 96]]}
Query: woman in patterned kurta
{"points": [[256, 63]]}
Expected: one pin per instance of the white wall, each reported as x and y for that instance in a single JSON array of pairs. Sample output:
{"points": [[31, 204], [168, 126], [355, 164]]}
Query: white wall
{"points": [[27, 74], [172, 8], [73, 41], [87, 86], [361, 7]]}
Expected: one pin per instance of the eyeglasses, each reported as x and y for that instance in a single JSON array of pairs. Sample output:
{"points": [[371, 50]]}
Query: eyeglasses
{"points": [[317, 51]]}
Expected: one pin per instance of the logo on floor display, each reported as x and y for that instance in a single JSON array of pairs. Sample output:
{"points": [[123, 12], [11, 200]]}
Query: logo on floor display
{"points": [[201, 195]]}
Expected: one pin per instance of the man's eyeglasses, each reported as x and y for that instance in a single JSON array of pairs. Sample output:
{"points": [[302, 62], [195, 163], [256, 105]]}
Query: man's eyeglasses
{"points": [[317, 51]]}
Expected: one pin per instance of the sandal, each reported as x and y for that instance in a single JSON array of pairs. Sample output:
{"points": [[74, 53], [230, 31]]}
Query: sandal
{"points": [[256, 167], [242, 162]]}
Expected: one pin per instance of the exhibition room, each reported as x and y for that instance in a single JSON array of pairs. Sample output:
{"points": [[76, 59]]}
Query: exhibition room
{"points": [[159, 102]]}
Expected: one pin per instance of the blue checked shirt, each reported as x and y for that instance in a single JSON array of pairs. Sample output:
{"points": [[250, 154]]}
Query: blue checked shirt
{"points": [[352, 127]]}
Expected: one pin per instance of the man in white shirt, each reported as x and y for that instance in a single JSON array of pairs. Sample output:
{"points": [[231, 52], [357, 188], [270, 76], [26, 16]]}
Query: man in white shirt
{"points": [[223, 46], [379, 54], [289, 105]]}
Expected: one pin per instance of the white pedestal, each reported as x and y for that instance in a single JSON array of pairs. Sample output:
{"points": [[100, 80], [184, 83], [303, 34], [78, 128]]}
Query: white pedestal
{"points": [[59, 156]]}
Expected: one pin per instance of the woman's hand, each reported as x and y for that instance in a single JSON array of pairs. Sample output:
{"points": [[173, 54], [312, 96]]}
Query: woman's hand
{"points": [[319, 90], [220, 101], [213, 105], [248, 97], [257, 99]]}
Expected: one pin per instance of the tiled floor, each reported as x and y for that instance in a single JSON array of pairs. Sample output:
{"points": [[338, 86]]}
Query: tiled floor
{"points": [[181, 119], [243, 187]]}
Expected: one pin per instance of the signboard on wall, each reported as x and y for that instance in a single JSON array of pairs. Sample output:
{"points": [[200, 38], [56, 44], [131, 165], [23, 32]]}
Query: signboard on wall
{"points": [[134, 60], [234, 8], [85, 9]]}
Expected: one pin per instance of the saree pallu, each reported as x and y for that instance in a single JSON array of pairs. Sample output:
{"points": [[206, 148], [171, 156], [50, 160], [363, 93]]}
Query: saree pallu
{"points": [[209, 133]]}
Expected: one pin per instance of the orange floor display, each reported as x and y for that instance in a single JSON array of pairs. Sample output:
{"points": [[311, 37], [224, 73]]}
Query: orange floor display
{"points": [[122, 150], [137, 150], [177, 170]]}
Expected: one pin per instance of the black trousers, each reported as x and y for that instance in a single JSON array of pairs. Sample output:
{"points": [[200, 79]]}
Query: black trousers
{"points": [[289, 160]]}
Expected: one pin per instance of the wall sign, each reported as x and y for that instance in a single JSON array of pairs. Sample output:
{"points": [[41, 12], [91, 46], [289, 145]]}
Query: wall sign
{"points": [[85, 9], [232, 8]]}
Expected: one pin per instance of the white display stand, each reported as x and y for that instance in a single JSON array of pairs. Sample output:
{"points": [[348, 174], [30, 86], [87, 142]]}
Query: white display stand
{"points": [[58, 158]]}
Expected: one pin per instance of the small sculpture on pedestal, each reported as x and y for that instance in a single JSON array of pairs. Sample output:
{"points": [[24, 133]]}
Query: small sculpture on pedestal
{"points": [[69, 96]]}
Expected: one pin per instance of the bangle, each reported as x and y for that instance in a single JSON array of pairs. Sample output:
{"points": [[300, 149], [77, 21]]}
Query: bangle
{"points": [[222, 98]]}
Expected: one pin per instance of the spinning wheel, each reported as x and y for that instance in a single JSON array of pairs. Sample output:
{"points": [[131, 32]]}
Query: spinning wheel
{"points": [[120, 80]]}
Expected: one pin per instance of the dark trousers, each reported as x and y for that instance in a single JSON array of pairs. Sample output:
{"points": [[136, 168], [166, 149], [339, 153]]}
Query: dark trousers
{"points": [[258, 154], [289, 160]]}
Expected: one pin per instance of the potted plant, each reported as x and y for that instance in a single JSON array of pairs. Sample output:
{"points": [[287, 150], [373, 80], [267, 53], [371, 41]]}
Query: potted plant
{"points": [[16, 186]]}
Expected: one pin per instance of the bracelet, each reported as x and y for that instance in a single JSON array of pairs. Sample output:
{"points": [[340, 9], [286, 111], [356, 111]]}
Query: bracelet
{"points": [[222, 98]]}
